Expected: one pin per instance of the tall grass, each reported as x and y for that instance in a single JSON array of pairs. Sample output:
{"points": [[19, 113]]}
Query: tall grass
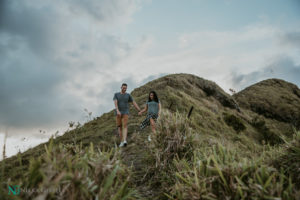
{"points": [[289, 162], [3, 157], [188, 168], [222, 174], [2, 169], [182, 163], [69, 171], [174, 139]]}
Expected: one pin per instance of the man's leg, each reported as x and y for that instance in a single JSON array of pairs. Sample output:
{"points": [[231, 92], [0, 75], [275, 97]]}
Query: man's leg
{"points": [[125, 121], [120, 132], [119, 125]]}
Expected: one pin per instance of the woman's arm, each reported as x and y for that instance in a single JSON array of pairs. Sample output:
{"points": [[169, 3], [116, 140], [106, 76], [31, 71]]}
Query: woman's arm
{"points": [[159, 109]]}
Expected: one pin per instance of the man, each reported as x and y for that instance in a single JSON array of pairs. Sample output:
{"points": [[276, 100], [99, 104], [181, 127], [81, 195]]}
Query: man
{"points": [[122, 100]]}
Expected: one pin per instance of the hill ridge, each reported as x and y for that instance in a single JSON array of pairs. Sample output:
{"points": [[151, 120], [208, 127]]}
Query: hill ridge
{"points": [[272, 98]]}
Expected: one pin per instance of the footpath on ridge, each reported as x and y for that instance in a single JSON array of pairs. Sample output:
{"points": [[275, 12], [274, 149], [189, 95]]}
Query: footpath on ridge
{"points": [[135, 155]]}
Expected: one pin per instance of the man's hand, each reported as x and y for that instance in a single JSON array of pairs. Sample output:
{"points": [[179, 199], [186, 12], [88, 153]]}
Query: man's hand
{"points": [[140, 113], [117, 109], [118, 112]]}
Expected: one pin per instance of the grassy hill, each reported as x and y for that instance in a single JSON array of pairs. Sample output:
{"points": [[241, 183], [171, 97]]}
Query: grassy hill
{"points": [[243, 146], [273, 98]]}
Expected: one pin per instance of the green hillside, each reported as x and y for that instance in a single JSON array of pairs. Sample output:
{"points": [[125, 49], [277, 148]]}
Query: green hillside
{"points": [[244, 146], [273, 98]]}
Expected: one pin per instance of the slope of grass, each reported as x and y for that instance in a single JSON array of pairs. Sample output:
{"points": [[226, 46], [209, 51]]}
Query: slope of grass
{"points": [[220, 134], [189, 167]]}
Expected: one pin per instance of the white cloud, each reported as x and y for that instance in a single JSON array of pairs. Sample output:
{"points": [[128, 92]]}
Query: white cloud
{"points": [[215, 54], [281, 67], [56, 59], [18, 143]]}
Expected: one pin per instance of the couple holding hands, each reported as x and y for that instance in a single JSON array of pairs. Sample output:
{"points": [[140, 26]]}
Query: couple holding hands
{"points": [[122, 100]]}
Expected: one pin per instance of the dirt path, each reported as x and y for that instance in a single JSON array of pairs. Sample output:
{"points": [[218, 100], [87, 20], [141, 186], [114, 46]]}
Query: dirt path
{"points": [[134, 155]]}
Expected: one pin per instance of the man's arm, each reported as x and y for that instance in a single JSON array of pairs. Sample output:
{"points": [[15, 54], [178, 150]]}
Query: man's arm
{"points": [[144, 110], [136, 106], [117, 109]]}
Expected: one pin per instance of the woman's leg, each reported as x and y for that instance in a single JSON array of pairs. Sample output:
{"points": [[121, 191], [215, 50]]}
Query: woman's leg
{"points": [[152, 123], [145, 123]]}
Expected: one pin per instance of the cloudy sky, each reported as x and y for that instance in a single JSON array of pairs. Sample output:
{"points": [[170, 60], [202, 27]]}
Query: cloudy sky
{"points": [[60, 58]]}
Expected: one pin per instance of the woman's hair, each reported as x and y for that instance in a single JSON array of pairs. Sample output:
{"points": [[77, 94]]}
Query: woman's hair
{"points": [[155, 98]]}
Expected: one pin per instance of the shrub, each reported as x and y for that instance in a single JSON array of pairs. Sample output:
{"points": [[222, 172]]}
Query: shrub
{"points": [[266, 135], [235, 122]]}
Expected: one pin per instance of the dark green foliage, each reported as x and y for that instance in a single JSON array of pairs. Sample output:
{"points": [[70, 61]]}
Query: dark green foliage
{"points": [[35, 175], [209, 90], [289, 162], [235, 122], [266, 136]]}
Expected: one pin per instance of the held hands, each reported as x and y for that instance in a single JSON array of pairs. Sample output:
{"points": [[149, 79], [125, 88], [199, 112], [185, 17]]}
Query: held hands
{"points": [[141, 112]]}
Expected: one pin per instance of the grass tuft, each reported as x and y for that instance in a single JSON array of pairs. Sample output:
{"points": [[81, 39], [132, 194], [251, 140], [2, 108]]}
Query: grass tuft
{"points": [[69, 171]]}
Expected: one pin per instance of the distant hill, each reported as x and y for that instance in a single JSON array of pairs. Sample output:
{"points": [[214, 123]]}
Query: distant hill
{"points": [[274, 99], [263, 113]]}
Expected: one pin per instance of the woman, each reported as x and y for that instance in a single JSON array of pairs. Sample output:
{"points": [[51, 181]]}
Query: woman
{"points": [[153, 108]]}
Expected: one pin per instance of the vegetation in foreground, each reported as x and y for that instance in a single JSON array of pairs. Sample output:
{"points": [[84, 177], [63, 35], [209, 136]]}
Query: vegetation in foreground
{"points": [[188, 167], [73, 172]]}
